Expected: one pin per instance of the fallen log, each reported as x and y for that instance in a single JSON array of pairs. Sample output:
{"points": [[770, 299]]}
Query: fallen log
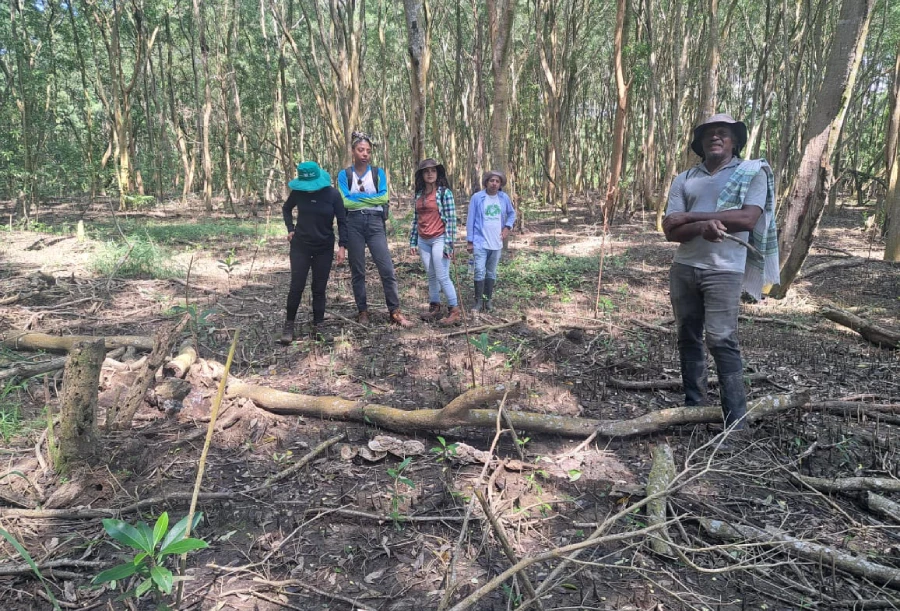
{"points": [[179, 366], [883, 506], [29, 370], [660, 479], [464, 414], [871, 332], [824, 267], [820, 554], [18, 340], [674, 382], [850, 484]]}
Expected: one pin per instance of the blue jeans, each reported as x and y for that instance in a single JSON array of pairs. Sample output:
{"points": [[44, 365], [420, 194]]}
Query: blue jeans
{"points": [[486, 263], [437, 266], [366, 228]]}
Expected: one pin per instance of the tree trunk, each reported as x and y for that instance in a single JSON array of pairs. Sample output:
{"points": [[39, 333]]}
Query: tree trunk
{"points": [[615, 172], [77, 418], [418, 31], [206, 160], [892, 159], [709, 93], [501, 15], [806, 201]]}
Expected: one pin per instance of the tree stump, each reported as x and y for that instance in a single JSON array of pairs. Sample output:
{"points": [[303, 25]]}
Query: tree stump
{"points": [[77, 416]]}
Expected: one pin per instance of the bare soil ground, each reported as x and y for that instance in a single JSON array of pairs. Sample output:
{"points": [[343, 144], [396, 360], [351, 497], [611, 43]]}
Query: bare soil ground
{"points": [[347, 529]]}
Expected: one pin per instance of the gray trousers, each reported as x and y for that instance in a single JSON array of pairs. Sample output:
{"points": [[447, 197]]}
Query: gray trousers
{"points": [[709, 300], [366, 228]]}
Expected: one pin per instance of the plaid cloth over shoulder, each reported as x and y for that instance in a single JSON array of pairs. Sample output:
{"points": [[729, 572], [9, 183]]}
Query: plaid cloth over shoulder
{"points": [[764, 236]]}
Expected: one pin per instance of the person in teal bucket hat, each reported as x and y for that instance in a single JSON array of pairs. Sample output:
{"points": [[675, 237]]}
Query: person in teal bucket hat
{"points": [[318, 204]]}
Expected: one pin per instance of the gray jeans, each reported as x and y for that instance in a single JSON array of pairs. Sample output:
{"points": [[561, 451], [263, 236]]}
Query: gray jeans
{"points": [[706, 299], [366, 228]]}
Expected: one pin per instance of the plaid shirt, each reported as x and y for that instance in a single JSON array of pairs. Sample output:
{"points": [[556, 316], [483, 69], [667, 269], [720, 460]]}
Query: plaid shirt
{"points": [[447, 208]]}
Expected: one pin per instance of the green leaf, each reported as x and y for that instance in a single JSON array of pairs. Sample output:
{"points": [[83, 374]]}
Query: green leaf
{"points": [[24, 553], [162, 525], [123, 532], [116, 573], [146, 537], [162, 577], [182, 546], [574, 475], [179, 529], [406, 481], [142, 589]]}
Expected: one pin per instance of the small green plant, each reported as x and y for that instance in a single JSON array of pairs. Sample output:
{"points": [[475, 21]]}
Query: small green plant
{"points": [[445, 450], [31, 564], [227, 264], [283, 457], [396, 495], [153, 547], [10, 413]]}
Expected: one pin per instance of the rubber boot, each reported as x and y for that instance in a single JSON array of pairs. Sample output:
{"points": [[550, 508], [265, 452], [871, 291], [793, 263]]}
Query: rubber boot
{"points": [[693, 377], [287, 332], [734, 400], [488, 294], [479, 295]]}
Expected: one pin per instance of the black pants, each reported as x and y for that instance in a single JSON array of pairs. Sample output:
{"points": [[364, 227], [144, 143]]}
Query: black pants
{"points": [[302, 259]]}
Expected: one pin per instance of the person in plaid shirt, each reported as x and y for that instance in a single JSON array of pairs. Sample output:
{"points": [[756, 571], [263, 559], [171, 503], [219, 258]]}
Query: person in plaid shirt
{"points": [[432, 234]]}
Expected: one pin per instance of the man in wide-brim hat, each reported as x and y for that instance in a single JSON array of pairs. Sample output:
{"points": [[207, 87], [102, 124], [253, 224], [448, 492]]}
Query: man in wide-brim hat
{"points": [[723, 194]]}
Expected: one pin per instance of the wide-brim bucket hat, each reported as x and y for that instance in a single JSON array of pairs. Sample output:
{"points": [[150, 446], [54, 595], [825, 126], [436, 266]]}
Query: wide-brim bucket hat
{"points": [[310, 177], [431, 163], [490, 174], [739, 128]]}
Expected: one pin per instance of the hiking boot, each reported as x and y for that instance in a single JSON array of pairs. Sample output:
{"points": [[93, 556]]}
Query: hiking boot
{"points": [[287, 333], [398, 319], [489, 294], [453, 317], [363, 317], [479, 296], [433, 313]]}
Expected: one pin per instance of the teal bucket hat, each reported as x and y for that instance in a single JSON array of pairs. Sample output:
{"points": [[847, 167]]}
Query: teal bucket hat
{"points": [[310, 177]]}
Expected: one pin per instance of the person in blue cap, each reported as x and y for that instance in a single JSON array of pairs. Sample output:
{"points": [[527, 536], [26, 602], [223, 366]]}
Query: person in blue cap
{"points": [[318, 204]]}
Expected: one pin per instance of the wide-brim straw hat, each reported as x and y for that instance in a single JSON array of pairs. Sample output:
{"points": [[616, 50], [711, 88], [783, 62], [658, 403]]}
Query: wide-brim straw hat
{"points": [[739, 128], [310, 177], [490, 174], [431, 163]]}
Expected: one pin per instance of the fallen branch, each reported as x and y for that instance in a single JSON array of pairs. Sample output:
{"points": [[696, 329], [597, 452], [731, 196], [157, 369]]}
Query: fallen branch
{"points": [[883, 506], [660, 479], [336, 408], [844, 406], [824, 267], [776, 321], [504, 543], [18, 340], [28, 370], [652, 327], [820, 554], [871, 332], [850, 484], [674, 382], [308, 458], [62, 563], [92, 514], [121, 415], [483, 328]]}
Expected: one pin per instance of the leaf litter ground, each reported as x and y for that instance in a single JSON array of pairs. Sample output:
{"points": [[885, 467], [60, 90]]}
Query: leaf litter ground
{"points": [[336, 531]]}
